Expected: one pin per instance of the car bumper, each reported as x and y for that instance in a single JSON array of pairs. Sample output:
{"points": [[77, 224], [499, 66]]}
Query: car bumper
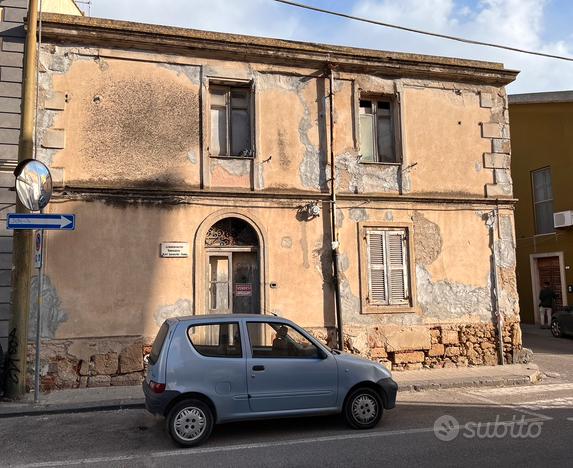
{"points": [[389, 391], [156, 403]]}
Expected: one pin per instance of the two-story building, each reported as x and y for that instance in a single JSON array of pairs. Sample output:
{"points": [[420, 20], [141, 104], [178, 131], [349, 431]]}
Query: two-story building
{"points": [[218, 173]]}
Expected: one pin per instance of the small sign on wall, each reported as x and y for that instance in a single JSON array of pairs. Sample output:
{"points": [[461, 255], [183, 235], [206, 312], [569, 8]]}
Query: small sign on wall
{"points": [[174, 249], [243, 289], [38, 248]]}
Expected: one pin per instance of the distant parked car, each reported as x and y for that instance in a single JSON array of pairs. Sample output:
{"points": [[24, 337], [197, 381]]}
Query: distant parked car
{"points": [[562, 322], [210, 369]]}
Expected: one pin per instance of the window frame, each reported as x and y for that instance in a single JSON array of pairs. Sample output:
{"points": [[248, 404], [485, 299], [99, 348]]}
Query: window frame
{"points": [[371, 307], [229, 86], [535, 202], [395, 125], [319, 355], [223, 322]]}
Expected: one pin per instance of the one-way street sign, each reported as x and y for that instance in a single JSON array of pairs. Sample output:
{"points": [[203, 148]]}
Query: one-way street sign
{"points": [[41, 221]]}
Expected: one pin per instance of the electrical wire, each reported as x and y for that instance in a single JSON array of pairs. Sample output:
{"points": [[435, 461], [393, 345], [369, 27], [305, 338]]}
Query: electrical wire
{"points": [[419, 31]]}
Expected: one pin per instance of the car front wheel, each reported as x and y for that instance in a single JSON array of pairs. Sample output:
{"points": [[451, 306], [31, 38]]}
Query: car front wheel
{"points": [[190, 422], [363, 408], [556, 328]]}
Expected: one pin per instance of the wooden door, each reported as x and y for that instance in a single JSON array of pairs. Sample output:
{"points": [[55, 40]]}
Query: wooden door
{"points": [[550, 270], [246, 297]]}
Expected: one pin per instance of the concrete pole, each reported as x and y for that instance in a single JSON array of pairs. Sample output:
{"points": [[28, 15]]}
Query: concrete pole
{"points": [[16, 369]]}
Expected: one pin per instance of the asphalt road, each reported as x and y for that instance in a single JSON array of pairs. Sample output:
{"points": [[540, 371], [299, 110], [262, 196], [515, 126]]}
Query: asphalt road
{"points": [[527, 426]]}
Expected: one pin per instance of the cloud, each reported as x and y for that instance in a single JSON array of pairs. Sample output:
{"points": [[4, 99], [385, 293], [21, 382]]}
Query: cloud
{"points": [[517, 23]]}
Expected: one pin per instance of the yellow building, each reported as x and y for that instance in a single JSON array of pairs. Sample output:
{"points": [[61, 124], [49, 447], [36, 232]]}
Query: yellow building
{"points": [[218, 173], [542, 168]]}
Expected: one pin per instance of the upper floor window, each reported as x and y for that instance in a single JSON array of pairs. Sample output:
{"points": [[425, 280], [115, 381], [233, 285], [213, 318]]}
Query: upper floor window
{"points": [[543, 201], [378, 130], [230, 121], [387, 265]]}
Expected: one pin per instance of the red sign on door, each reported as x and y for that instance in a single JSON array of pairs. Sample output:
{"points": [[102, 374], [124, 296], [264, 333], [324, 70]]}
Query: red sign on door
{"points": [[243, 289]]}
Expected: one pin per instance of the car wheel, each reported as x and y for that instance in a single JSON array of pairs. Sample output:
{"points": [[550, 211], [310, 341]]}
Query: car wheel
{"points": [[556, 328], [190, 422], [363, 408]]}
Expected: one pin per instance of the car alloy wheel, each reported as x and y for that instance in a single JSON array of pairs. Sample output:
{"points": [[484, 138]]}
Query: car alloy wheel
{"points": [[556, 328], [190, 422], [363, 408]]}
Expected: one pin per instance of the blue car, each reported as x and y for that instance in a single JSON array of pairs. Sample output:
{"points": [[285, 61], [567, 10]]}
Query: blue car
{"points": [[209, 369]]}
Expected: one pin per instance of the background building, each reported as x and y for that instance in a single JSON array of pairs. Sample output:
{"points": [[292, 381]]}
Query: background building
{"points": [[542, 166], [12, 35], [199, 166]]}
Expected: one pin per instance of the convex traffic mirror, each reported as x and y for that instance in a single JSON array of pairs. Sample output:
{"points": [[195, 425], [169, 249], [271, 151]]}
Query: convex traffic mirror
{"points": [[33, 184]]}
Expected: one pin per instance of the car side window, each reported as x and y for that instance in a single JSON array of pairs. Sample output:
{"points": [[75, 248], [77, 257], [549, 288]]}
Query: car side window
{"points": [[279, 340], [216, 339]]}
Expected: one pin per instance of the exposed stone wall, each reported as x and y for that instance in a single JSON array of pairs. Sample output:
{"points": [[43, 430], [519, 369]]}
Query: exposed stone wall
{"points": [[413, 348], [81, 363]]}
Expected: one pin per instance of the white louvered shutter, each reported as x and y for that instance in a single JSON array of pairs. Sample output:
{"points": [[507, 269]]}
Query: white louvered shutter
{"points": [[397, 270], [377, 281]]}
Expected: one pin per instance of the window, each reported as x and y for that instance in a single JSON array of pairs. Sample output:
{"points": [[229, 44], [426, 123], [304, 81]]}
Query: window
{"points": [[543, 201], [158, 343], [378, 131], [387, 267], [216, 339], [278, 340], [230, 121]]}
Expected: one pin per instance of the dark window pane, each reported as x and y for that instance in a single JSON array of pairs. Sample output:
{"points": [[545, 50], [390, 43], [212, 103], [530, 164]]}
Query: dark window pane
{"points": [[216, 340], [385, 140], [277, 340], [240, 133], [544, 217], [365, 106], [158, 343]]}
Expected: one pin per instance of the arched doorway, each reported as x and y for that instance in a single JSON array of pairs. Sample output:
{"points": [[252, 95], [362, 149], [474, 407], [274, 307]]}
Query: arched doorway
{"points": [[232, 270]]}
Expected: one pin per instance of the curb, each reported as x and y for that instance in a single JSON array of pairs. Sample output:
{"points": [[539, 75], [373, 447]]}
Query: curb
{"points": [[505, 381], [71, 408]]}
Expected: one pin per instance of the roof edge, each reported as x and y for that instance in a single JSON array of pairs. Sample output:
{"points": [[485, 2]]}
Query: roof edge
{"points": [[114, 33], [542, 98]]}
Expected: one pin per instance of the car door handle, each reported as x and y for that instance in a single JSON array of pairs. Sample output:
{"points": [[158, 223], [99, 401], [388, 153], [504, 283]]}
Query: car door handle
{"points": [[258, 368]]}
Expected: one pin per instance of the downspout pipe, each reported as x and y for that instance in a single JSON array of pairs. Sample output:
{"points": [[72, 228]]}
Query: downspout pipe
{"points": [[493, 223], [16, 369], [333, 228]]}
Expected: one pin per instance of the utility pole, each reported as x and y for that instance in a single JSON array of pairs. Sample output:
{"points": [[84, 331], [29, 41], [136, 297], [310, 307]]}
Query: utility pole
{"points": [[21, 273]]}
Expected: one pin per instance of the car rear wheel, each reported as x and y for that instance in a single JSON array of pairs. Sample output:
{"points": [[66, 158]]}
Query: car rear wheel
{"points": [[190, 422], [363, 408], [556, 328]]}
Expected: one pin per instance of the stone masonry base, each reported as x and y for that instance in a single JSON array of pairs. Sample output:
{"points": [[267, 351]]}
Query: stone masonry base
{"points": [[103, 362]]}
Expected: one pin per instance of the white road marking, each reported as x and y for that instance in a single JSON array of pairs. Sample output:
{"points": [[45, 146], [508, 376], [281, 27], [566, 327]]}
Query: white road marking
{"points": [[230, 448], [521, 390], [553, 403], [512, 406]]}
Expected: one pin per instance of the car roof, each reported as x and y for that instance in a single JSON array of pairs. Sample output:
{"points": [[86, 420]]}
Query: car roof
{"points": [[256, 317]]}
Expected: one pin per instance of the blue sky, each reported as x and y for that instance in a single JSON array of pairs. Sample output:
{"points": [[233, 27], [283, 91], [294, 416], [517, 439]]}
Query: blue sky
{"points": [[543, 25]]}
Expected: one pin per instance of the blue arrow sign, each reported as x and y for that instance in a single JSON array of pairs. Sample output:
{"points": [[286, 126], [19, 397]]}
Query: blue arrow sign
{"points": [[41, 221]]}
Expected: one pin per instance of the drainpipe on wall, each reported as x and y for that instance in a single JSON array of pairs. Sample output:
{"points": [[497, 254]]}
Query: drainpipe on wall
{"points": [[333, 230], [23, 251], [493, 223]]}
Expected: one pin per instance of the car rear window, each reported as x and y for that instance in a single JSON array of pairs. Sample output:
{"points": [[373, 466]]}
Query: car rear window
{"points": [[216, 339], [158, 343]]}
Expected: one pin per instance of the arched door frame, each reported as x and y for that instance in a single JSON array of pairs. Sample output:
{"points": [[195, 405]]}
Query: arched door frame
{"points": [[200, 255]]}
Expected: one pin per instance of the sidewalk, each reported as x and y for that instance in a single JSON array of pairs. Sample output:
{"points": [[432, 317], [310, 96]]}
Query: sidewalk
{"points": [[114, 398]]}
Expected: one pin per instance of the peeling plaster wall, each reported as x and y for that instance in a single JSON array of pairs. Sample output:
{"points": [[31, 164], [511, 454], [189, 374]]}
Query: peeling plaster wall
{"points": [[139, 118]]}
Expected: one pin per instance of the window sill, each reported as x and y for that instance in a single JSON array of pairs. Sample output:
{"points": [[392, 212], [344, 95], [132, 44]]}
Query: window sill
{"points": [[379, 163], [231, 157], [384, 309]]}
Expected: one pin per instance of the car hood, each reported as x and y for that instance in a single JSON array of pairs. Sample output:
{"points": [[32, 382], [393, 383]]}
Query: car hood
{"points": [[357, 363]]}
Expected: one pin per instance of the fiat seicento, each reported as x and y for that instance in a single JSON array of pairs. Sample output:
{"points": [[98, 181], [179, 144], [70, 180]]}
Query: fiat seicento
{"points": [[210, 369]]}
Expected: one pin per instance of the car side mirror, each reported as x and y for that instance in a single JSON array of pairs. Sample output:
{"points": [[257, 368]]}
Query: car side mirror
{"points": [[322, 354]]}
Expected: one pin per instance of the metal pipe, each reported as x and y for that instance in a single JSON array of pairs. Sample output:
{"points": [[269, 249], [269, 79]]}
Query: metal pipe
{"points": [[334, 232], [493, 223], [16, 371]]}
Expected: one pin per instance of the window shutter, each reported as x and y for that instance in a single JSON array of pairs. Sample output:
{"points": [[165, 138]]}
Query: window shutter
{"points": [[376, 268], [397, 267]]}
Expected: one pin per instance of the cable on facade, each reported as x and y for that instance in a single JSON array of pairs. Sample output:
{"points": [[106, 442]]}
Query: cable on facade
{"points": [[419, 31]]}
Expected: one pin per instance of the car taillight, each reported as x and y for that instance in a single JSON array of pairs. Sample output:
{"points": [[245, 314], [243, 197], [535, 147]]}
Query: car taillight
{"points": [[156, 387]]}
